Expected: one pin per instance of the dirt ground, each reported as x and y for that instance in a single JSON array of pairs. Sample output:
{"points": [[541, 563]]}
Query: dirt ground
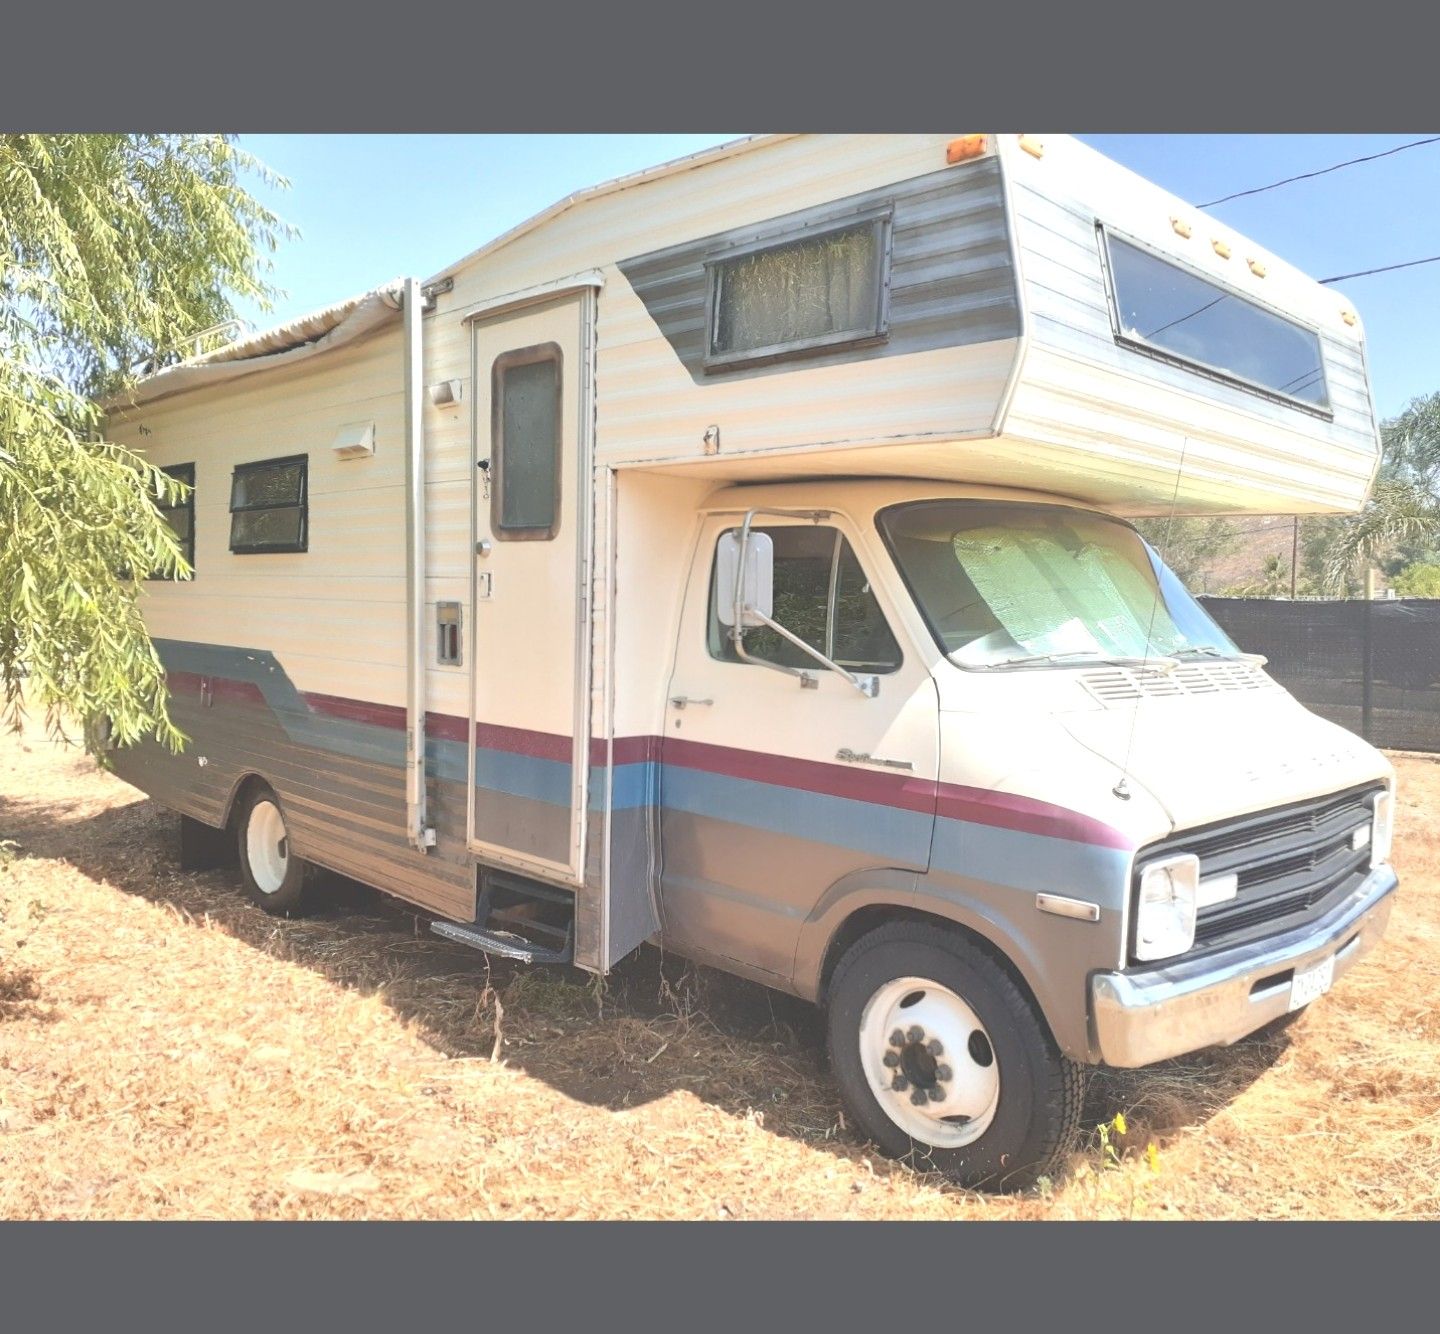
{"points": [[168, 1051]]}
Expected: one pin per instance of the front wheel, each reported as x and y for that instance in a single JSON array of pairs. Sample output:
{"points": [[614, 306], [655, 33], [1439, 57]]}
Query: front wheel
{"points": [[274, 877], [942, 1059]]}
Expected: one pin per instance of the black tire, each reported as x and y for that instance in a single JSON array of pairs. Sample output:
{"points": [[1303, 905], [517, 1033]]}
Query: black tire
{"points": [[1040, 1094], [289, 894]]}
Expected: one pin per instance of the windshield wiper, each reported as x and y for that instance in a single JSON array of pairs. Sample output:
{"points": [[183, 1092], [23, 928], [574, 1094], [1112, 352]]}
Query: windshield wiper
{"points": [[1158, 662], [1211, 651]]}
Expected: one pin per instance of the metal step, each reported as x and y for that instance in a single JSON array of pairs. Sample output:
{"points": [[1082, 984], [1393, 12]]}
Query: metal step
{"points": [[506, 944]]}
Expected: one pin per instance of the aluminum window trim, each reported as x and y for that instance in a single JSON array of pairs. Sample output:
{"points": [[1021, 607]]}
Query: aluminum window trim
{"points": [[1104, 232], [301, 503], [880, 219]]}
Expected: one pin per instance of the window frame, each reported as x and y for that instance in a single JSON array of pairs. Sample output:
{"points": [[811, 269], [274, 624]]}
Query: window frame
{"points": [[302, 543], [1105, 232], [880, 220], [181, 472], [507, 361], [832, 590]]}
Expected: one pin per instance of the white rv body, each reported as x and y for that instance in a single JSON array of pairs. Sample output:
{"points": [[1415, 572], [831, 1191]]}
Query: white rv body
{"points": [[582, 735]]}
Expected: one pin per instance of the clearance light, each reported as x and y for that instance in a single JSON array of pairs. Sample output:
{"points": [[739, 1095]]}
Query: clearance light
{"points": [[964, 148], [1182, 228], [1221, 248], [1030, 144], [1348, 316], [1256, 267]]}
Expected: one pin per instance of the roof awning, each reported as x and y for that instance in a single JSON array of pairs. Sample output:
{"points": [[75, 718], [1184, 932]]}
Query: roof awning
{"points": [[307, 336]]}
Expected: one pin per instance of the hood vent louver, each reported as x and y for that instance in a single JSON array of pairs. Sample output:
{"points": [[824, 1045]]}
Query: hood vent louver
{"points": [[1118, 685]]}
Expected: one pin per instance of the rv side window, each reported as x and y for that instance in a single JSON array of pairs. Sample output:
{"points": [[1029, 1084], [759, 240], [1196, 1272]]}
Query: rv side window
{"points": [[1176, 314], [525, 415], [821, 595], [181, 516], [803, 294], [269, 506]]}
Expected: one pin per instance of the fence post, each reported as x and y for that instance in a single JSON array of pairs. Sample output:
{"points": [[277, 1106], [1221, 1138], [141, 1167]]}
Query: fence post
{"points": [[1368, 671]]}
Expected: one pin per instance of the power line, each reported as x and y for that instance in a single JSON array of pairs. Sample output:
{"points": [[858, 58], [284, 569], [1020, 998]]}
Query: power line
{"points": [[1324, 171], [1387, 268]]}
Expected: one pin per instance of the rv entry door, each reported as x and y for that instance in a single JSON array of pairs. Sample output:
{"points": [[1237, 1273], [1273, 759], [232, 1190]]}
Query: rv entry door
{"points": [[531, 523]]}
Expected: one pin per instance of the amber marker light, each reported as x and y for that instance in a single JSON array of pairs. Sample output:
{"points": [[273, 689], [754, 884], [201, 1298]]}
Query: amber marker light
{"points": [[963, 148]]}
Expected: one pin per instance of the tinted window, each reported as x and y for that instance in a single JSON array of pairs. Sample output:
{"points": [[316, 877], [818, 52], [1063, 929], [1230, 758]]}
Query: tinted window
{"points": [[269, 506], [823, 597], [1173, 311], [526, 442]]}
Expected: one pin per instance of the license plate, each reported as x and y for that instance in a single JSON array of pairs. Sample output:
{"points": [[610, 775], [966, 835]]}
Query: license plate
{"points": [[1313, 982]]}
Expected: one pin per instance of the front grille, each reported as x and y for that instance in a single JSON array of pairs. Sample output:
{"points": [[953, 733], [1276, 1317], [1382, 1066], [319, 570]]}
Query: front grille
{"points": [[1293, 863]]}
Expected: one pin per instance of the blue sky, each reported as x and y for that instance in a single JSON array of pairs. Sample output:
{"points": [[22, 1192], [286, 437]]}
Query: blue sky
{"points": [[371, 207]]}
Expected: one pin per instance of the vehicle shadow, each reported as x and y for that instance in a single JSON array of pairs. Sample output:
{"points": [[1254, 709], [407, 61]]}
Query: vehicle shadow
{"points": [[659, 1025]]}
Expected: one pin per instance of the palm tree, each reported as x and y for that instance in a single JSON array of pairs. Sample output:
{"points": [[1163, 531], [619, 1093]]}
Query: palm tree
{"points": [[1404, 507]]}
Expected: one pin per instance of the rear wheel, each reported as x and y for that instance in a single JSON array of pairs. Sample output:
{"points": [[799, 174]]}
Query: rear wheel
{"points": [[943, 1060], [274, 877]]}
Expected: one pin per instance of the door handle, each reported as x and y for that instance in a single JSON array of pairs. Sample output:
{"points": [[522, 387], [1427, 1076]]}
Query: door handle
{"points": [[847, 756], [680, 701]]}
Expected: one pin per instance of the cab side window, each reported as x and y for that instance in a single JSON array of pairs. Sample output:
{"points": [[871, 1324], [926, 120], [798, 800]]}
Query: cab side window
{"points": [[821, 596]]}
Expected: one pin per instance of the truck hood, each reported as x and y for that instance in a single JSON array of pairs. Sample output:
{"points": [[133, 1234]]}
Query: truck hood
{"points": [[1206, 759]]}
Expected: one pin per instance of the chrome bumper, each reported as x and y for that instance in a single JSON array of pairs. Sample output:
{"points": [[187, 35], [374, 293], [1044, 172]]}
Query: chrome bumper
{"points": [[1142, 1017]]}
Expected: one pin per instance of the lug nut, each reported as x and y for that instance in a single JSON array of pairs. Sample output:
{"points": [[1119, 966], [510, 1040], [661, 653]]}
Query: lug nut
{"points": [[937, 1094], [897, 1038], [942, 1073], [934, 1047], [892, 1059], [899, 1083], [918, 1097], [915, 1033]]}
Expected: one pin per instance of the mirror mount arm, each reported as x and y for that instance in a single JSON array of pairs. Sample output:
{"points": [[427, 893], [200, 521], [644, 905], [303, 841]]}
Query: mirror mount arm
{"points": [[868, 686]]}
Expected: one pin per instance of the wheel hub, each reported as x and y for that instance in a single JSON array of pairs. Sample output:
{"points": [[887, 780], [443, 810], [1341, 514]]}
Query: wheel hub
{"points": [[929, 1062]]}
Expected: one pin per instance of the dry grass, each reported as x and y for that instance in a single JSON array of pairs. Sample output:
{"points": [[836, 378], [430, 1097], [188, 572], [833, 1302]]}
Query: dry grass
{"points": [[168, 1051]]}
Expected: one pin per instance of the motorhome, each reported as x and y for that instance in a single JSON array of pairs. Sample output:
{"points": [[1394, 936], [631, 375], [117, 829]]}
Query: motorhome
{"points": [[738, 557]]}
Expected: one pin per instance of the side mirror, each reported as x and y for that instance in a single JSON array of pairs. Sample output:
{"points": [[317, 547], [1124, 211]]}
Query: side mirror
{"points": [[757, 587]]}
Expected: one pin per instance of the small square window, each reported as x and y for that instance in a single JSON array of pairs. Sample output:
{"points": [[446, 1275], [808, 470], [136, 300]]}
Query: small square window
{"points": [[180, 516], [269, 506], [801, 294]]}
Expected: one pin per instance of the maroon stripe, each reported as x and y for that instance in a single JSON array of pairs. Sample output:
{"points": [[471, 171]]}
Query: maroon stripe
{"points": [[522, 741], [833, 780], [1008, 810], [356, 710], [447, 727]]}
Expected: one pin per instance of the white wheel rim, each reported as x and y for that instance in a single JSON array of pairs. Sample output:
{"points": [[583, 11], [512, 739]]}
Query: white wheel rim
{"points": [[940, 1082], [266, 846]]}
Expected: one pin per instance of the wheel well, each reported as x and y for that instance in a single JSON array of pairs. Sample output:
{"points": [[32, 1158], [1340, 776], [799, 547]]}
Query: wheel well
{"points": [[864, 920], [241, 794]]}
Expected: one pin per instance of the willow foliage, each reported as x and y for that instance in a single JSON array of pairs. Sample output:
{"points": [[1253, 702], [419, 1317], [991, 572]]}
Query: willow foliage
{"points": [[115, 250]]}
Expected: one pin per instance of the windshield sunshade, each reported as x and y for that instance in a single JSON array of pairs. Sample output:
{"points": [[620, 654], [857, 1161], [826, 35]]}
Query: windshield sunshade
{"points": [[1007, 584]]}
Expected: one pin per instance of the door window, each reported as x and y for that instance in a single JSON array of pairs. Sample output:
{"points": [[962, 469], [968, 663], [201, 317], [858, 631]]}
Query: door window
{"points": [[823, 597]]}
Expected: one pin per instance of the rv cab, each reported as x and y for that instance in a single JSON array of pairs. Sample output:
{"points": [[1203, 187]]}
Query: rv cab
{"points": [[738, 558]]}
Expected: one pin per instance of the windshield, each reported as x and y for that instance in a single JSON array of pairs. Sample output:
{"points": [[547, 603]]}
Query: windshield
{"points": [[1010, 584]]}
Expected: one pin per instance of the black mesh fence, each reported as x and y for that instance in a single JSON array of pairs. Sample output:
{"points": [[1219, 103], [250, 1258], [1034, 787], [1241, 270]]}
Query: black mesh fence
{"points": [[1373, 667]]}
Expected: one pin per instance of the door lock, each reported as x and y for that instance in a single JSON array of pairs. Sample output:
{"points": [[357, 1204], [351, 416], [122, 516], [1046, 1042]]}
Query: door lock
{"points": [[482, 547]]}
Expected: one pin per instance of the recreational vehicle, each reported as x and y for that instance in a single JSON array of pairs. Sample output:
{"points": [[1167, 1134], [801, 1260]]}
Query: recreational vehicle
{"points": [[738, 557]]}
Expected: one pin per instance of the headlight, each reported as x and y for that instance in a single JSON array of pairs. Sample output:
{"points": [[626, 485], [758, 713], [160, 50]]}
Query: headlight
{"points": [[1165, 912], [1382, 828]]}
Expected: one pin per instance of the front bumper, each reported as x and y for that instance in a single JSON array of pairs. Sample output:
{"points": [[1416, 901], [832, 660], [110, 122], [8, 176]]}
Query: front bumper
{"points": [[1142, 1017]]}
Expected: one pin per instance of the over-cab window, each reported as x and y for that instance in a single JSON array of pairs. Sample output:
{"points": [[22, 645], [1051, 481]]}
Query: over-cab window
{"points": [[525, 416], [269, 506], [823, 597], [1172, 312], [816, 291]]}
